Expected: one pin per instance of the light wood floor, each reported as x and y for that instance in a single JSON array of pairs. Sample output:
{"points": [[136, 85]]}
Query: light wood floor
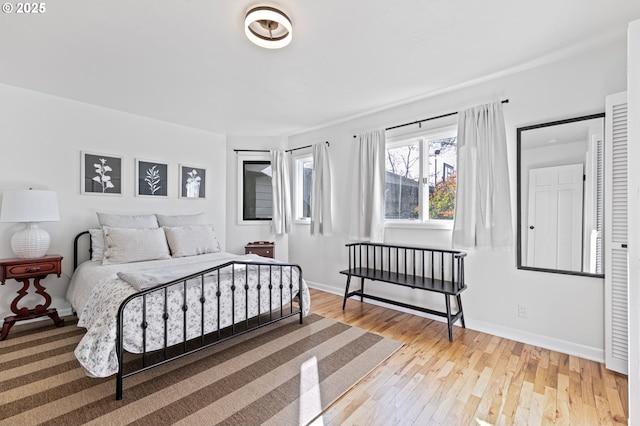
{"points": [[479, 379]]}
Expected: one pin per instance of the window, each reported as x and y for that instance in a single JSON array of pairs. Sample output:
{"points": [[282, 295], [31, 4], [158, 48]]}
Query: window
{"points": [[421, 176], [303, 174], [257, 196]]}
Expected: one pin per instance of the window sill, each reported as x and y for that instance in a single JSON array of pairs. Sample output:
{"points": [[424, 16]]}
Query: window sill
{"points": [[302, 221], [259, 222], [437, 225]]}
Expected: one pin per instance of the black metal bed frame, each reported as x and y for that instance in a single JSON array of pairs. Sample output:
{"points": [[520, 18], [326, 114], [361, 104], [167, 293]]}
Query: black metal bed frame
{"points": [[204, 340], [430, 269]]}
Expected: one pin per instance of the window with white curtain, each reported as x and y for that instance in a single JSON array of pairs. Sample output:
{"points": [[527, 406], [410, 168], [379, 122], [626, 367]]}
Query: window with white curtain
{"points": [[302, 188], [421, 177]]}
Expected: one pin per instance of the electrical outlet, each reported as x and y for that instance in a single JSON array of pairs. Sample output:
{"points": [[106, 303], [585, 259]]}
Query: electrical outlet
{"points": [[522, 311]]}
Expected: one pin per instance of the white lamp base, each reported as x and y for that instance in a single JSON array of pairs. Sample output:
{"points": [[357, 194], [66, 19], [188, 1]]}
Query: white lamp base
{"points": [[30, 242]]}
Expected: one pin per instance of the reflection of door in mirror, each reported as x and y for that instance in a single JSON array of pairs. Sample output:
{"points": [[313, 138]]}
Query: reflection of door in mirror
{"points": [[554, 228], [560, 196]]}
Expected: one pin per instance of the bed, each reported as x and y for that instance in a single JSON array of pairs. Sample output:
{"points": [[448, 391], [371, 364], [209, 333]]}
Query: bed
{"points": [[156, 288]]}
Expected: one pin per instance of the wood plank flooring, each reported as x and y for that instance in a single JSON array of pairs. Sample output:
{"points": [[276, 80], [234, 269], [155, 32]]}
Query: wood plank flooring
{"points": [[479, 379]]}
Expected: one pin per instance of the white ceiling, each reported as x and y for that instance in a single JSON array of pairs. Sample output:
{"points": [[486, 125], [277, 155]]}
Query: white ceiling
{"points": [[189, 62]]}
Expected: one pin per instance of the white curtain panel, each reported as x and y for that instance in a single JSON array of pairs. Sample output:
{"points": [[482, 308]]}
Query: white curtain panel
{"points": [[321, 221], [281, 187], [483, 204], [368, 186]]}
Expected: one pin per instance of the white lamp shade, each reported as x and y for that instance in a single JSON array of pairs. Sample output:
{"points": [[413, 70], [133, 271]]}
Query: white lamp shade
{"points": [[31, 206]]}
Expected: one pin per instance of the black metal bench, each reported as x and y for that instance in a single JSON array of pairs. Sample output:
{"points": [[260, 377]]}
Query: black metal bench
{"points": [[430, 269]]}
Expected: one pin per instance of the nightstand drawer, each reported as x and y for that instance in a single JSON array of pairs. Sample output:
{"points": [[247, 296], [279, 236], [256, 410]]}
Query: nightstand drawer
{"points": [[30, 268], [264, 249], [260, 251], [20, 271]]}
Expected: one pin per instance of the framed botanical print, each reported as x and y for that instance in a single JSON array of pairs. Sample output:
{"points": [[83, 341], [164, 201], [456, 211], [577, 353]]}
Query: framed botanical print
{"points": [[193, 182], [151, 178], [100, 174]]}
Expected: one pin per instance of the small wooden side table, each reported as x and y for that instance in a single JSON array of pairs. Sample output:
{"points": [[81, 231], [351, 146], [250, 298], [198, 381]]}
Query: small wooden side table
{"points": [[261, 248], [25, 270]]}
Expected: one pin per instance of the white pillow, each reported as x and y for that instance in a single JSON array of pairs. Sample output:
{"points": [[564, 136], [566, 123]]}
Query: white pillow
{"points": [[181, 219], [128, 221], [191, 240], [124, 245], [97, 244]]}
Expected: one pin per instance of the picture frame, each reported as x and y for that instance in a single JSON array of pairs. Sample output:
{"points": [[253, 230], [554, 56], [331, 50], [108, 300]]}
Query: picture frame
{"points": [[100, 174], [152, 178], [193, 182]]}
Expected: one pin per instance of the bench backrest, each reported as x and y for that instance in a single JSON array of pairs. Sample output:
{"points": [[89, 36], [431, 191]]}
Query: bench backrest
{"points": [[434, 263]]}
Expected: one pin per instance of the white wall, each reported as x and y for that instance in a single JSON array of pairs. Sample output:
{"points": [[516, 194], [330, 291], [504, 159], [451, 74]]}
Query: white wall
{"points": [[564, 312], [634, 227], [239, 234], [42, 137]]}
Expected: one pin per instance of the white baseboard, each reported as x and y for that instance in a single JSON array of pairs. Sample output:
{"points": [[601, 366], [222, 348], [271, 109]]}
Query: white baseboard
{"points": [[65, 312], [324, 287], [546, 342]]}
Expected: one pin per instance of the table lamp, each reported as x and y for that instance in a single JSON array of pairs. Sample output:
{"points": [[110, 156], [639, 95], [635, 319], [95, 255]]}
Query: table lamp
{"points": [[30, 206]]}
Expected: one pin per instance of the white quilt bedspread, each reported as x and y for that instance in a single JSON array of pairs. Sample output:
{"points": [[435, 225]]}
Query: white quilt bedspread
{"points": [[96, 352]]}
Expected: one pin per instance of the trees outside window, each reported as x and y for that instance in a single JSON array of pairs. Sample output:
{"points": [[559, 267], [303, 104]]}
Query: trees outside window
{"points": [[421, 176]]}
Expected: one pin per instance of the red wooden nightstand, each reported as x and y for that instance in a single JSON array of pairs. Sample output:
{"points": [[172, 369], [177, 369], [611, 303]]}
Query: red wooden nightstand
{"points": [[261, 248], [24, 270]]}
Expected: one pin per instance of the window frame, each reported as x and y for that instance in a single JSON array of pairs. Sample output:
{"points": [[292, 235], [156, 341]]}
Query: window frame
{"points": [[424, 136], [298, 183], [241, 159]]}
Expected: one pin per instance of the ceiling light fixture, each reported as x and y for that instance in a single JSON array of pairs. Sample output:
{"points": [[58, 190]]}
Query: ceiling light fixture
{"points": [[268, 27]]}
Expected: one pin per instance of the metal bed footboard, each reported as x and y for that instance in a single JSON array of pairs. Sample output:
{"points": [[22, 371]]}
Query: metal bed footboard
{"points": [[284, 308]]}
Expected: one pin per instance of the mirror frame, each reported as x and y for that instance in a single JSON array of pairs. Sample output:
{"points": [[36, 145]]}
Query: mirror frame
{"points": [[519, 131]]}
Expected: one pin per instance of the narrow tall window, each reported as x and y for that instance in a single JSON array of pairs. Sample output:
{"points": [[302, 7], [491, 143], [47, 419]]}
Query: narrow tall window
{"points": [[303, 174], [257, 195], [421, 176]]}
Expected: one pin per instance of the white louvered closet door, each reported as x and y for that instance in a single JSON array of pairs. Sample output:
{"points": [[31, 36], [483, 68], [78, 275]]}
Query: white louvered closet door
{"points": [[616, 261]]}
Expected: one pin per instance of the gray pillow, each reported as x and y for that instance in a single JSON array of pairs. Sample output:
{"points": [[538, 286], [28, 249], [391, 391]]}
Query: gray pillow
{"points": [[191, 240], [124, 245], [97, 244], [181, 219], [128, 221]]}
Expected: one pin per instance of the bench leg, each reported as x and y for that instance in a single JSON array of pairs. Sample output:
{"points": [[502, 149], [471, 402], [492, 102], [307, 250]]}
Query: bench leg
{"points": [[460, 309], [346, 291], [448, 303], [361, 289]]}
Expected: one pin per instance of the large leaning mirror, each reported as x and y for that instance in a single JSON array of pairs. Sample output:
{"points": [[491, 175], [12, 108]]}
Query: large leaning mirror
{"points": [[560, 196]]}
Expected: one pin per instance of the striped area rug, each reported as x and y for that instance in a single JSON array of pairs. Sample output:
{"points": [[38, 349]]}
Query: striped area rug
{"points": [[283, 374]]}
